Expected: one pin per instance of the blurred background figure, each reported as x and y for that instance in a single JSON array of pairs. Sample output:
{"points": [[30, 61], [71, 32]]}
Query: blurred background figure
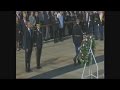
{"points": [[38, 41], [37, 18], [41, 18], [61, 25], [46, 22], [91, 23], [96, 22], [56, 28], [18, 31], [101, 25], [23, 28], [32, 19]]}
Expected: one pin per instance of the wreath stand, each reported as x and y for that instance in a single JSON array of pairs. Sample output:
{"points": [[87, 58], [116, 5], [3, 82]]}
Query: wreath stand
{"points": [[92, 58]]}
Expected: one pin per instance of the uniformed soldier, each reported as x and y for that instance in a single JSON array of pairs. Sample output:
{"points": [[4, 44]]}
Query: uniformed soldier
{"points": [[77, 36], [38, 40]]}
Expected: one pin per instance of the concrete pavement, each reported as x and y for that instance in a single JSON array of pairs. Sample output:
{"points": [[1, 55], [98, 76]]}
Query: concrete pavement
{"points": [[57, 62]]}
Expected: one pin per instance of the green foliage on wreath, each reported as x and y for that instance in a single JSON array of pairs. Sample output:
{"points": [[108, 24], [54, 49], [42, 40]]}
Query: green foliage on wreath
{"points": [[84, 56]]}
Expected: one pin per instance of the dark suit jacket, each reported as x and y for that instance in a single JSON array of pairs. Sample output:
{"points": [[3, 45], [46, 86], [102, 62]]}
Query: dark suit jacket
{"points": [[38, 38], [23, 27], [29, 39], [77, 30]]}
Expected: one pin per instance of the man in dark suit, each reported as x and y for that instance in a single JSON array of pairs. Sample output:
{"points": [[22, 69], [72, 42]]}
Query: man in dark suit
{"points": [[28, 46], [23, 28], [38, 39], [54, 27], [77, 35]]}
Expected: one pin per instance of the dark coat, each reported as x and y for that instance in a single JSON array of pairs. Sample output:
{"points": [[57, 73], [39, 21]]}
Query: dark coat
{"points": [[23, 27], [38, 38], [77, 30], [29, 39]]}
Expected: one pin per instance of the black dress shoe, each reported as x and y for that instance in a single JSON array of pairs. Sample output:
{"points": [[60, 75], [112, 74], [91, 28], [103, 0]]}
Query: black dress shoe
{"points": [[29, 70], [79, 62], [60, 40], [101, 39], [74, 61], [26, 70], [55, 41], [38, 67]]}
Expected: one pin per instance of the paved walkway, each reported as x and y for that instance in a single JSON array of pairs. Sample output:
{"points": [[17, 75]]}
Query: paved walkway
{"points": [[57, 62]]}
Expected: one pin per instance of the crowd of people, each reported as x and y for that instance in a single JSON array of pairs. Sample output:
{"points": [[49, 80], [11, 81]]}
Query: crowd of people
{"points": [[34, 27], [53, 23]]}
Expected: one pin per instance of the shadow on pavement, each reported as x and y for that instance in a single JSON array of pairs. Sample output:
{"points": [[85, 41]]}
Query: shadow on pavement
{"points": [[62, 70], [48, 62], [100, 75]]}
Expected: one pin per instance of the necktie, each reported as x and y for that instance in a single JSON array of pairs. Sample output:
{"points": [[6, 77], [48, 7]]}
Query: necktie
{"points": [[39, 30], [25, 22], [30, 32]]}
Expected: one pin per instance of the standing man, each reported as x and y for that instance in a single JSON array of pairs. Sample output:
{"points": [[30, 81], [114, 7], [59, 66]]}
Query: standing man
{"points": [[54, 23], [82, 20], [77, 38], [91, 23], [101, 24], [39, 43], [69, 25], [41, 17], [46, 22], [32, 19], [28, 45], [37, 17], [86, 20], [23, 28], [96, 22], [18, 31], [61, 25]]}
